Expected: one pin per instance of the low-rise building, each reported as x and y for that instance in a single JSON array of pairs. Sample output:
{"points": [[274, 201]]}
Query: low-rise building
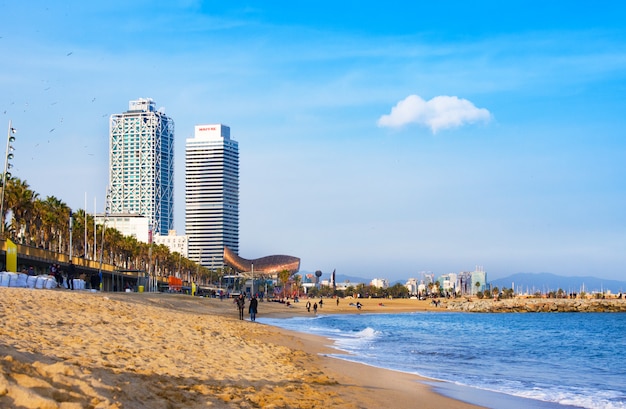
{"points": [[380, 283], [178, 244], [129, 224]]}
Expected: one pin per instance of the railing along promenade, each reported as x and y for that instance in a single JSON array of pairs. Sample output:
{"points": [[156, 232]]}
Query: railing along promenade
{"points": [[113, 278]]}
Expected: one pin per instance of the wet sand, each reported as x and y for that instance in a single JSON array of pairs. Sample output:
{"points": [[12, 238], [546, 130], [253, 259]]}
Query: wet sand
{"points": [[77, 349]]}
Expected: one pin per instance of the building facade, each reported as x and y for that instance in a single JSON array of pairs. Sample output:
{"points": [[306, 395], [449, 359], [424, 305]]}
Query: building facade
{"points": [[133, 225], [141, 164], [211, 194], [479, 280], [175, 243], [380, 283]]}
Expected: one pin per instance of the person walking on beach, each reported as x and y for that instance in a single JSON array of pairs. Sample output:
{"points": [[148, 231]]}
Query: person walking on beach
{"points": [[241, 303], [54, 273], [315, 308], [308, 306], [321, 303], [252, 309], [59, 275], [94, 280], [71, 273]]}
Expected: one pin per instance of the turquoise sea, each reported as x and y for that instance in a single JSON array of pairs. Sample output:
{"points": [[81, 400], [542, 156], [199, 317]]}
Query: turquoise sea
{"points": [[534, 360]]}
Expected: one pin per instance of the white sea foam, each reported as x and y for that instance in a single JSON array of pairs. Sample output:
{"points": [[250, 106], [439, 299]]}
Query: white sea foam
{"points": [[557, 360]]}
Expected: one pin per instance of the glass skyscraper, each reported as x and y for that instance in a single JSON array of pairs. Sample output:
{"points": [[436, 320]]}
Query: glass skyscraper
{"points": [[211, 194], [141, 167]]}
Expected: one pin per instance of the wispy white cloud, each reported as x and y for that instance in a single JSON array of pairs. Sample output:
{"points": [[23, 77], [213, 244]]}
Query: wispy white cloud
{"points": [[442, 112]]}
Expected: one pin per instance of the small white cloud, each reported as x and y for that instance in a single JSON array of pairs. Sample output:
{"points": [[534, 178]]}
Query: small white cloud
{"points": [[439, 113]]}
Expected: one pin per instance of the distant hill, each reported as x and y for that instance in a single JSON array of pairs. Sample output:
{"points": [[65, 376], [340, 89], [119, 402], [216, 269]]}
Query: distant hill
{"points": [[545, 282], [340, 278]]}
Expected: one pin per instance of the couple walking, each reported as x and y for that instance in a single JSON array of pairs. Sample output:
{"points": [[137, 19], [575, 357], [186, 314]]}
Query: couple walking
{"points": [[252, 308]]}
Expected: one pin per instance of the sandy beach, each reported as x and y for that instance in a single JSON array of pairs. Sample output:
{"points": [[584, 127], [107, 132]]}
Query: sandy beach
{"points": [[77, 349]]}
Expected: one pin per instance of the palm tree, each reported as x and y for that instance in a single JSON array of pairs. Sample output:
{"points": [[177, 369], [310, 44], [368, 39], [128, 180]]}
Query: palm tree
{"points": [[127, 252], [283, 277], [297, 279], [113, 246], [82, 228], [20, 200], [161, 254], [54, 216]]}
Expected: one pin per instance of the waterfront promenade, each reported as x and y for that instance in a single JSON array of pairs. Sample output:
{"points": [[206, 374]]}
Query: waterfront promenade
{"points": [[113, 278]]}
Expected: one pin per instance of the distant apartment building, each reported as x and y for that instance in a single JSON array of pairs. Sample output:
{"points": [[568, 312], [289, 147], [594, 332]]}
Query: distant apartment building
{"points": [[175, 243], [211, 194], [412, 285], [380, 283], [129, 224], [308, 281], [464, 283], [448, 283], [479, 280], [141, 165]]}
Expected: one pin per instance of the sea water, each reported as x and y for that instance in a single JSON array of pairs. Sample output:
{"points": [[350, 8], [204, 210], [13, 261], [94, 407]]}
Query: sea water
{"points": [[550, 359]]}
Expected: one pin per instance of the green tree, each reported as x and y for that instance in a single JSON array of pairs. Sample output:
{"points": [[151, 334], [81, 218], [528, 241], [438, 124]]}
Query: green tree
{"points": [[398, 291], [20, 200], [283, 278], [297, 280], [55, 216], [477, 285]]}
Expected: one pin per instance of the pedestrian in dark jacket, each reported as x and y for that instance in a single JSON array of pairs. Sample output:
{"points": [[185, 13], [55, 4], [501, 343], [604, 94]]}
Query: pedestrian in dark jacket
{"points": [[71, 273], [241, 303], [252, 309]]}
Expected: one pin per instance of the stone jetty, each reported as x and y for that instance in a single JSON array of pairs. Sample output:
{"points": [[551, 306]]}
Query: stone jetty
{"points": [[535, 305]]}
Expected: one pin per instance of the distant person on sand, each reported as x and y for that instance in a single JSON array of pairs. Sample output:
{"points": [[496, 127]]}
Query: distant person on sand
{"points": [[321, 303], [95, 281], [59, 275], [241, 303], [337, 301], [71, 273], [54, 272], [315, 307], [308, 306], [252, 309]]}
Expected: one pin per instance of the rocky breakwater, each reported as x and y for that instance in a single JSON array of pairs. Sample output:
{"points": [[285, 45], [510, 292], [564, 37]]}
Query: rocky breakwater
{"points": [[535, 305]]}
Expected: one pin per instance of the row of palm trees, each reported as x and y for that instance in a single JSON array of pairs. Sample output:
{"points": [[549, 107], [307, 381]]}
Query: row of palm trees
{"points": [[45, 223]]}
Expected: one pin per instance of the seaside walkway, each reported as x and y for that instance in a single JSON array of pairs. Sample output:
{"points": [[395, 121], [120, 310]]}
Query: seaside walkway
{"points": [[113, 278]]}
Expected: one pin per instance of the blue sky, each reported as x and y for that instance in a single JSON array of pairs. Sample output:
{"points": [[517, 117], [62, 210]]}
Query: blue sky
{"points": [[378, 139]]}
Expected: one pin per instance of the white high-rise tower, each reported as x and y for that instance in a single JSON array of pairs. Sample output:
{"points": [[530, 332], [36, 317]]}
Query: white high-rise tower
{"points": [[141, 167], [211, 194]]}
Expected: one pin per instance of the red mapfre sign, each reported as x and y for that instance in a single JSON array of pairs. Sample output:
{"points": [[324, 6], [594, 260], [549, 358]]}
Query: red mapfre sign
{"points": [[212, 128]]}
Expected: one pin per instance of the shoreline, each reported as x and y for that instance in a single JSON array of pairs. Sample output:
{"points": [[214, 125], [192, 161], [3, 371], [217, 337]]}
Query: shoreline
{"points": [[74, 349], [380, 385], [400, 383]]}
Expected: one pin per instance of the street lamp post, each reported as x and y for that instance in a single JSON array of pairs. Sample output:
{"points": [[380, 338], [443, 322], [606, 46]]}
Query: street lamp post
{"points": [[150, 284], [6, 176], [107, 208], [70, 236]]}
